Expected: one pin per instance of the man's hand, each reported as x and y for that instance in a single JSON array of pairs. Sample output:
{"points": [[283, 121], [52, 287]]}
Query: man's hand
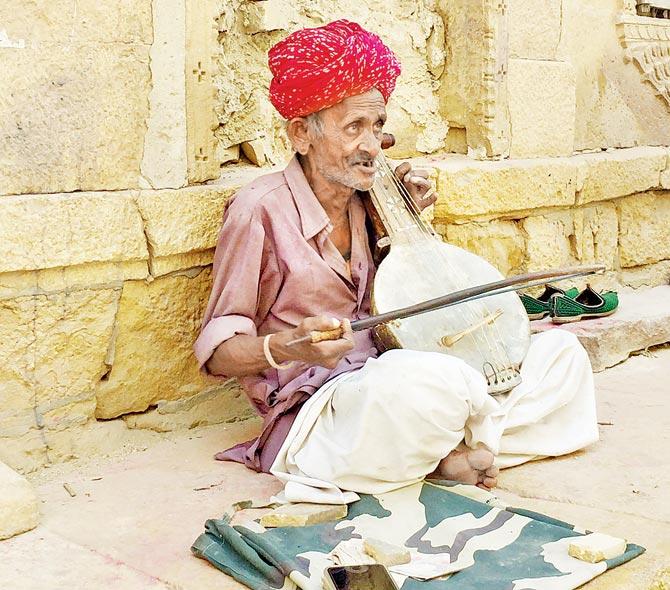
{"points": [[415, 181], [417, 184], [325, 354]]}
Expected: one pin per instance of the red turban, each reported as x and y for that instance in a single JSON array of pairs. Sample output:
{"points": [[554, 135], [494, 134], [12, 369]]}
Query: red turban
{"points": [[316, 68]]}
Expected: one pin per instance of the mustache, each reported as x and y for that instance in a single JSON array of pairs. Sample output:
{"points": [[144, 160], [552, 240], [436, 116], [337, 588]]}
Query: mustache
{"points": [[360, 159]]}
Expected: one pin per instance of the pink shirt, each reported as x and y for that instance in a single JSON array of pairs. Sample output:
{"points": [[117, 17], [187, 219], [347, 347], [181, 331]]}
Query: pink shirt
{"points": [[274, 266]]}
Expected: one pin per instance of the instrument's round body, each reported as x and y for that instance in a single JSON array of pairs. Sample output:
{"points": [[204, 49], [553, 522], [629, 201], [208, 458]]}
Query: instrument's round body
{"points": [[492, 334]]}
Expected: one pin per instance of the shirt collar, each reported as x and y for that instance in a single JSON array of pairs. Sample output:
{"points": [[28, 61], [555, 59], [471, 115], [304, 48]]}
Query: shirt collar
{"points": [[313, 217]]}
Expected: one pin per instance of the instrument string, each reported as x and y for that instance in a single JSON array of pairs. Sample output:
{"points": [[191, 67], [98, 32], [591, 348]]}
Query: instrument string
{"points": [[427, 233], [429, 237], [440, 257]]}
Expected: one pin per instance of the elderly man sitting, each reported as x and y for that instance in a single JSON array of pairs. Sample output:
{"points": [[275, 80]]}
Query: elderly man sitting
{"points": [[293, 256]]}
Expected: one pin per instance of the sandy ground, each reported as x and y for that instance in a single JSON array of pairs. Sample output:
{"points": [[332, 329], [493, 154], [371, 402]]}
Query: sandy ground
{"points": [[135, 514]]}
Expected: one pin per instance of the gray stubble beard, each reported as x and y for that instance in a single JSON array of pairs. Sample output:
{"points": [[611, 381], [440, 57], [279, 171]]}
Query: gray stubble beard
{"points": [[346, 179]]}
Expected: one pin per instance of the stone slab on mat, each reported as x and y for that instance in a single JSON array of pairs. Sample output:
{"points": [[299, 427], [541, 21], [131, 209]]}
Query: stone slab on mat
{"points": [[637, 574], [303, 514], [642, 320], [18, 504]]}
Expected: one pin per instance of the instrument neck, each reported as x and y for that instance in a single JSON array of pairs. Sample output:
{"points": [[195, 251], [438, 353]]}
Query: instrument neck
{"points": [[395, 208]]}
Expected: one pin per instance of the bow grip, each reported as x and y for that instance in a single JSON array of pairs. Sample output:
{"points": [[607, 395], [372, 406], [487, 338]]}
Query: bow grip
{"points": [[321, 336]]}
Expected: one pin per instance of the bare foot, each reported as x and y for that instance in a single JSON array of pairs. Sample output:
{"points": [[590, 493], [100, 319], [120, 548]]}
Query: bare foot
{"points": [[473, 466]]}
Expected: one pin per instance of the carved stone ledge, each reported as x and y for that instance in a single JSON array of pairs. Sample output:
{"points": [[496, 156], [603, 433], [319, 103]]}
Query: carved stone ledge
{"points": [[647, 43]]}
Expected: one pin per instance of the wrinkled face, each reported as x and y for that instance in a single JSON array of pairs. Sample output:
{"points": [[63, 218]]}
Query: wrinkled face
{"points": [[351, 139]]}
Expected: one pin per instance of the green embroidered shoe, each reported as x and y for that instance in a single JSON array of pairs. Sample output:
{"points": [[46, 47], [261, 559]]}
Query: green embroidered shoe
{"points": [[538, 307], [588, 304]]}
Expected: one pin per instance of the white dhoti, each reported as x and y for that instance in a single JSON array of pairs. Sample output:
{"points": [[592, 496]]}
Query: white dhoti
{"points": [[390, 423]]}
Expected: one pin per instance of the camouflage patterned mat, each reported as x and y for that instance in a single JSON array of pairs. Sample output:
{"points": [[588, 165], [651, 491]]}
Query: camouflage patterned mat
{"points": [[495, 548]]}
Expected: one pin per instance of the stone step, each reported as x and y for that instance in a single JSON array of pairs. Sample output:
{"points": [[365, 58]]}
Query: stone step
{"points": [[642, 320], [18, 504]]}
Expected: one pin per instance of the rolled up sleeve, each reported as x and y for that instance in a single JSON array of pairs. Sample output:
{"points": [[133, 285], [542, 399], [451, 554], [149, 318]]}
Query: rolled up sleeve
{"points": [[239, 263], [217, 331]]}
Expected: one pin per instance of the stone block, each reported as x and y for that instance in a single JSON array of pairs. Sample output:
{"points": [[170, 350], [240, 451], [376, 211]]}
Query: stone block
{"points": [[414, 112], [15, 423], [151, 356], [456, 141], [114, 21], [541, 108], [535, 29], [386, 553], [47, 231], [641, 321], [227, 154], [90, 276], [163, 265], [584, 236], [549, 240], [648, 275], [79, 137], [303, 514], [644, 236], [502, 243], [24, 452], [469, 188], [665, 175], [617, 173], [16, 361], [95, 275], [254, 150], [271, 15], [164, 162], [182, 221], [72, 333], [52, 356], [19, 510], [596, 547], [68, 415], [224, 403]]}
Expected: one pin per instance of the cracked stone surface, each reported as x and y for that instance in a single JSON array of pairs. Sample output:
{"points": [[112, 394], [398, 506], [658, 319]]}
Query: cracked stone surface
{"points": [[161, 497]]}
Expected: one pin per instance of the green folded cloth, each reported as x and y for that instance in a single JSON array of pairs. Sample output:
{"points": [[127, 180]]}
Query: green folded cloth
{"points": [[588, 304], [538, 307]]}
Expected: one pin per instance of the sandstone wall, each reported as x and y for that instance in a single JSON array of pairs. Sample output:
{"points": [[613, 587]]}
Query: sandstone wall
{"points": [[117, 118], [106, 130], [523, 215], [415, 30]]}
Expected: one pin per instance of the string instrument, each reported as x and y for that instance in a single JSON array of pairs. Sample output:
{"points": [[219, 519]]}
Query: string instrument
{"points": [[480, 319]]}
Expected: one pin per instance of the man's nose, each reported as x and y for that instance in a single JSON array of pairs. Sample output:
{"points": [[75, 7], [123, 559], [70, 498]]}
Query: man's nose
{"points": [[370, 143]]}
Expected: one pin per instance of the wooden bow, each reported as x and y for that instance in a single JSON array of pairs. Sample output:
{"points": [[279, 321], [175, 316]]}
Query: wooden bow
{"points": [[470, 294]]}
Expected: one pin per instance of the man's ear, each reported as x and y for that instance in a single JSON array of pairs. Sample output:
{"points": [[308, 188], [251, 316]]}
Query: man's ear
{"points": [[298, 134]]}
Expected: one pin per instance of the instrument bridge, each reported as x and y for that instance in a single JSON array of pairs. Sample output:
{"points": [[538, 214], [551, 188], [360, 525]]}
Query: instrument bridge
{"points": [[449, 340]]}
